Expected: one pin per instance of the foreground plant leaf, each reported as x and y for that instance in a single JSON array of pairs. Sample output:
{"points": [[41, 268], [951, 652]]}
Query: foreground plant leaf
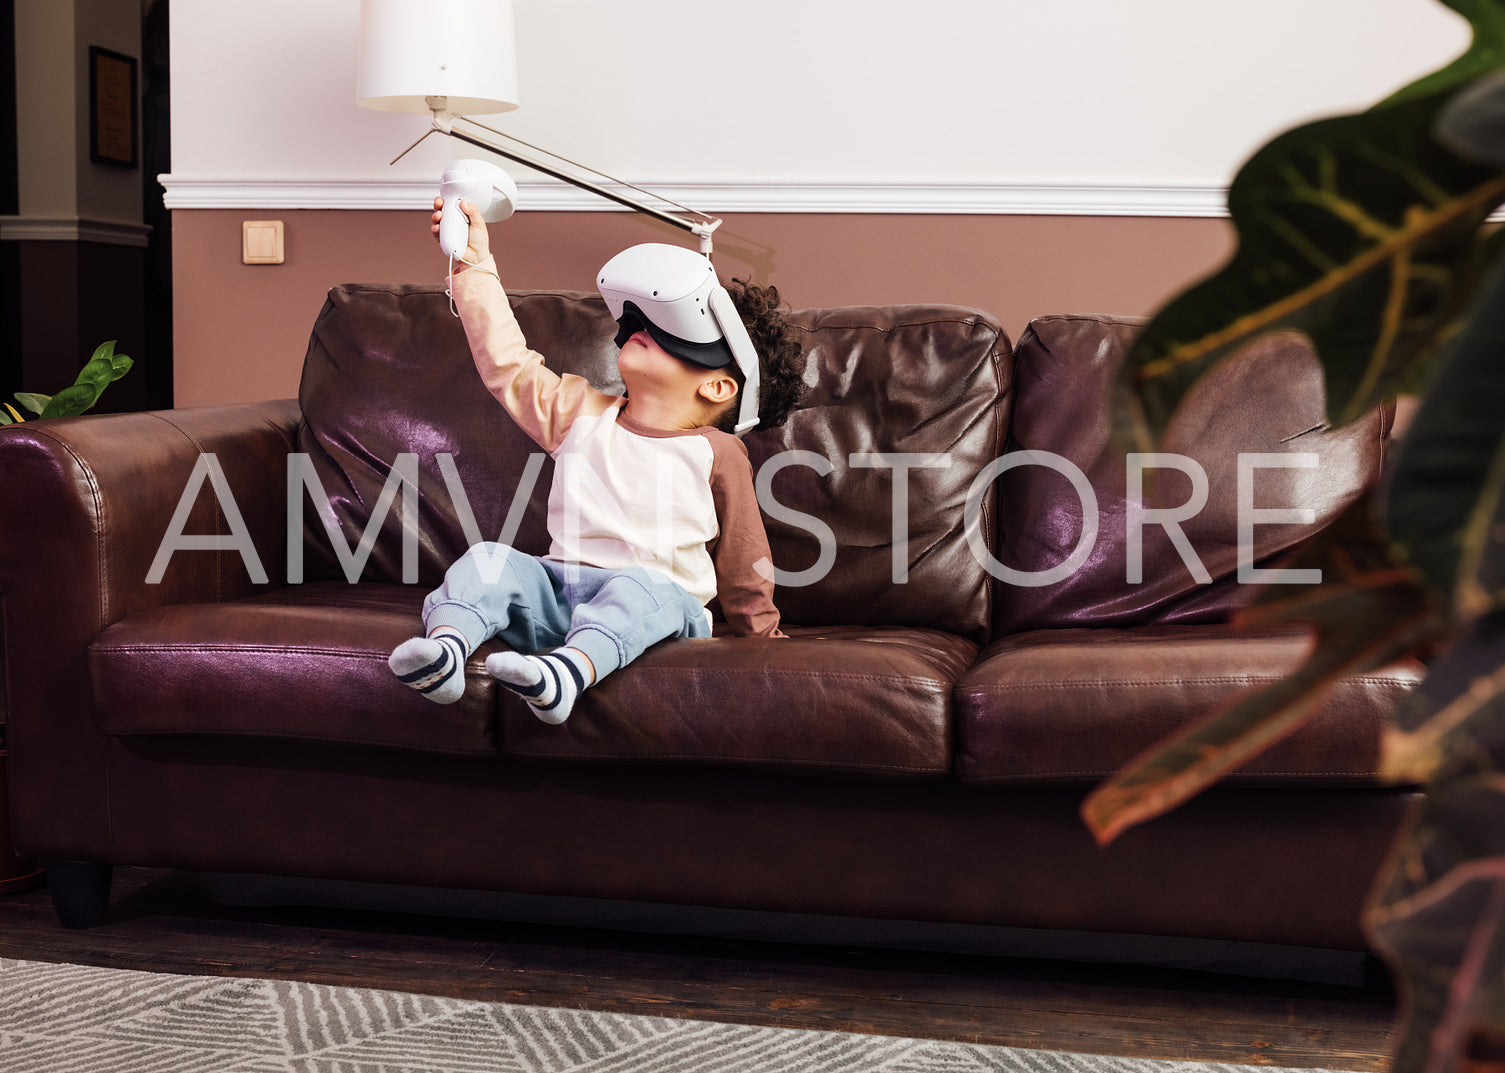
{"points": [[1366, 233], [1444, 508], [1366, 614], [1486, 51], [1444, 945], [1457, 718], [1438, 912], [1363, 231]]}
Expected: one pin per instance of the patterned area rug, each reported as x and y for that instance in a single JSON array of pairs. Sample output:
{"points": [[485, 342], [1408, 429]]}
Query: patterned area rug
{"points": [[79, 1019]]}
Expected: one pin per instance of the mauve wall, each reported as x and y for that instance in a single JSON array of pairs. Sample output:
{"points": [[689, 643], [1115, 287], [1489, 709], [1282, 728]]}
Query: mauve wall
{"points": [[241, 330]]}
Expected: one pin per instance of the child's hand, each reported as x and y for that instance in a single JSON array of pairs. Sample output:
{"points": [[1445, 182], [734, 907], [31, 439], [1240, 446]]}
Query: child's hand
{"points": [[478, 240]]}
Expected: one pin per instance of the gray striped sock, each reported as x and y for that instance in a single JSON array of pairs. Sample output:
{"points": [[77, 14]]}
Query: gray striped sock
{"points": [[435, 665], [550, 683]]}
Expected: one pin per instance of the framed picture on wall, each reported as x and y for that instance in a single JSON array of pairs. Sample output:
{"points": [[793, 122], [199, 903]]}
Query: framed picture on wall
{"points": [[112, 107]]}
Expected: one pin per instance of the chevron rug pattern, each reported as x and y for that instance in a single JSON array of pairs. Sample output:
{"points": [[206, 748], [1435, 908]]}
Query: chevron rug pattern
{"points": [[80, 1019]]}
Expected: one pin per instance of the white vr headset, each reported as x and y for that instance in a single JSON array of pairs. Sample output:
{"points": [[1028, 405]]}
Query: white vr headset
{"points": [[674, 295]]}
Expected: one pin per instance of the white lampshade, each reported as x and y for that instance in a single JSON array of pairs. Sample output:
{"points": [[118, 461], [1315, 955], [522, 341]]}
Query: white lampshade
{"points": [[462, 50]]}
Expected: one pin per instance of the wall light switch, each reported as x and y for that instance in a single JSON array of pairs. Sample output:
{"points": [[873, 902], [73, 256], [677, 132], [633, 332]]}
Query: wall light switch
{"points": [[261, 242]]}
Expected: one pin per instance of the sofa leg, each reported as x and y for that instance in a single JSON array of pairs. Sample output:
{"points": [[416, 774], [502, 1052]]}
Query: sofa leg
{"points": [[80, 891]]}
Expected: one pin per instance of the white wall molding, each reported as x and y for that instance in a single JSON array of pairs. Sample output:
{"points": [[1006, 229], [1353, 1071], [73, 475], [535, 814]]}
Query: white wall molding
{"points": [[856, 196], [73, 229]]}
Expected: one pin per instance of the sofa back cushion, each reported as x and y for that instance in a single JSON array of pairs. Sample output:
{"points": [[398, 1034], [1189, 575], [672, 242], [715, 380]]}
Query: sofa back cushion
{"points": [[388, 373], [904, 406], [1267, 402]]}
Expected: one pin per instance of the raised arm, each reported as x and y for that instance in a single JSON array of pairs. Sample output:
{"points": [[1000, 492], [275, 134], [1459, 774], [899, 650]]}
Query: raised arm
{"points": [[543, 403]]}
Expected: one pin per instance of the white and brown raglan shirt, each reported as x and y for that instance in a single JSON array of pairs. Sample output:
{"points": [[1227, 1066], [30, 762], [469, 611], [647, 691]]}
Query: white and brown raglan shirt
{"points": [[626, 495]]}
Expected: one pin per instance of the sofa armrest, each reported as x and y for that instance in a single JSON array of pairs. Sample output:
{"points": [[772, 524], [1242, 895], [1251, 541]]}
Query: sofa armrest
{"points": [[90, 500]]}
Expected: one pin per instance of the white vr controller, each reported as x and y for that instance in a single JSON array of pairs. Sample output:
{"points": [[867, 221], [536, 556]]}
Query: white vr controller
{"points": [[483, 184]]}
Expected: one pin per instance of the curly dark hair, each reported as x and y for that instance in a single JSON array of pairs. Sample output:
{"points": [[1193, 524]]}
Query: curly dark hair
{"points": [[781, 355]]}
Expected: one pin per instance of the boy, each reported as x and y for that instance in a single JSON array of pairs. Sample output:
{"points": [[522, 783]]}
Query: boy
{"points": [[615, 581]]}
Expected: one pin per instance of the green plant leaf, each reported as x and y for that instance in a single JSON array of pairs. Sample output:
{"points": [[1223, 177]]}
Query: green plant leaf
{"points": [[1445, 508], [1363, 232], [96, 375], [1486, 52], [10, 416], [102, 369], [99, 370], [33, 402], [74, 399], [1371, 614], [105, 358]]}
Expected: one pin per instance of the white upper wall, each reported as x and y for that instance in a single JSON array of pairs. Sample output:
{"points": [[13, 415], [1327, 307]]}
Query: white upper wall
{"points": [[760, 107]]}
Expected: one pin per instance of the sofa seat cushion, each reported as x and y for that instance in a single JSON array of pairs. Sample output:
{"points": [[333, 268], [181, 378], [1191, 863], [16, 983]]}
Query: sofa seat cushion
{"points": [[306, 662], [850, 701], [1076, 705]]}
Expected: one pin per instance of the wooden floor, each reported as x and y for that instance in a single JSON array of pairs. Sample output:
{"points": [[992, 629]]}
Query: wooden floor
{"points": [[161, 922]]}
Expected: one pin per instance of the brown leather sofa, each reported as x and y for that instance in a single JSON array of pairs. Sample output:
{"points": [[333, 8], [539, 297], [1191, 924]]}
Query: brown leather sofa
{"points": [[915, 750]]}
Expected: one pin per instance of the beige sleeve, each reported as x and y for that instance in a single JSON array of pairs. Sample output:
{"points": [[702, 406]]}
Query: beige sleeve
{"points": [[543, 403], [746, 596]]}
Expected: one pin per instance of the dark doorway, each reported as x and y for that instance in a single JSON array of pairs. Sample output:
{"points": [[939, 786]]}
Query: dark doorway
{"points": [[156, 156], [59, 298], [10, 204]]}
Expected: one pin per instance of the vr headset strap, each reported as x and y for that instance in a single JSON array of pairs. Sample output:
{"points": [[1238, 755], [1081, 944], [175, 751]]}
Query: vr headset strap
{"points": [[746, 355]]}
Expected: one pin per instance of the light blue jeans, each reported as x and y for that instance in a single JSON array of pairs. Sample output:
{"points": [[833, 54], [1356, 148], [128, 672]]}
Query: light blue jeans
{"points": [[535, 604]]}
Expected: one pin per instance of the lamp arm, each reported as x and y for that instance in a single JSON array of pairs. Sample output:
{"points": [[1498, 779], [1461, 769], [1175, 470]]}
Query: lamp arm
{"points": [[701, 229]]}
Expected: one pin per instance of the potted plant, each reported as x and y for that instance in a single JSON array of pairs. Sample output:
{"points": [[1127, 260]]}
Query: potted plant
{"points": [[1370, 233], [98, 373]]}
